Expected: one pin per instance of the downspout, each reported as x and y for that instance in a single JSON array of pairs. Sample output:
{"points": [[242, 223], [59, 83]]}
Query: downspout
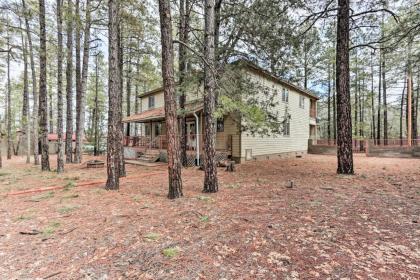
{"points": [[197, 139]]}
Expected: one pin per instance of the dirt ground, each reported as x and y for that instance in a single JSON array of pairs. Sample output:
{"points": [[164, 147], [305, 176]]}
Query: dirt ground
{"points": [[327, 226]]}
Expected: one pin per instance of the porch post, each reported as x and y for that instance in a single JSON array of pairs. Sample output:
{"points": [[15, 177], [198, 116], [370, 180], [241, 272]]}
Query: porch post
{"points": [[197, 138], [151, 134]]}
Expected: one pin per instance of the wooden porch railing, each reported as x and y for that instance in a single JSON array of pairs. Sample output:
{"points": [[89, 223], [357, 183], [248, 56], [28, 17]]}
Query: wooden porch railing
{"points": [[159, 142]]}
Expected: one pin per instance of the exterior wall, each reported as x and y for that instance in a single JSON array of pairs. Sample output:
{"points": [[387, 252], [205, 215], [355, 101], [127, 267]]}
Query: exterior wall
{"points": [[297, 141], [230, 137]]}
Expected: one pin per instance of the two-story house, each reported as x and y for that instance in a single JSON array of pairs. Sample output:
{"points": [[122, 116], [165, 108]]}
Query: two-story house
{"points": [[300, 104]]}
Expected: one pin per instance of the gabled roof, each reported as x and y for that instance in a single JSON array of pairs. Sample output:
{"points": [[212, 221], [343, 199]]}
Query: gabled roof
{"points": [[252, 66], [260, 71]]}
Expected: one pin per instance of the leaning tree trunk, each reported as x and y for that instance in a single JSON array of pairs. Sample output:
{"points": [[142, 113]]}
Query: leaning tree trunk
{"points": [[69, 84], [35, 109], [113, 156], [174, 162], [344, 129], [60, 152], [210, 165], [80, 120], [43, 102]]}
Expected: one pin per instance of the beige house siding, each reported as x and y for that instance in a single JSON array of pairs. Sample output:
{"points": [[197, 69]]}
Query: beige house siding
{"points": [[144, 101], [297, 141], [229, 137]]}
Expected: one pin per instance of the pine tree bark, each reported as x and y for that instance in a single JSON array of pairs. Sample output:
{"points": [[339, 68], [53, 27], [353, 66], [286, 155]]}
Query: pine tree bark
{"points": [[25, 108], [372, 101], [114, 84], [128, 90], [334, 97], [96, 109], [416, 111], [378, 127], [120, 100], [81, 85], [43, 102], [9, 101], [50, 107], [329, 105], [35, 134], [344, 126], [210, 164], [356, 97], [69, 84], [402, 114], [60, 152], [171, 119], [183, 36], [384, 100]]}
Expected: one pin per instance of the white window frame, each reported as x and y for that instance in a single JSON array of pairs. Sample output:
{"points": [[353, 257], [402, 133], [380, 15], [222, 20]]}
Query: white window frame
{"points": [[302, 102], [285, 95]]}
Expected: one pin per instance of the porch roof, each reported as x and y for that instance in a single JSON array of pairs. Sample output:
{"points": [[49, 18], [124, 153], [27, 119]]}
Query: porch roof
{"points": [[159, 113]]}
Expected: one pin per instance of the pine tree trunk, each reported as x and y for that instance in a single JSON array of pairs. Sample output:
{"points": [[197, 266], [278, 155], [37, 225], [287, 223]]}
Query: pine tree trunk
{"points": [[416, 111], [96, 110], [128, 90], [9, 106], [69, 84], [344, 129], [113, 157], [356, 96], [373, 134], [50, 107], [334, 106], [43, 102], [60, 152], [120, 100], [210, 164], [402, 114], [25, 108], [34, 86], [171, 119], [329, 105], [81, 92], [384, 100], [136, 99], [378, 127], [183, 36], [80, 120]]}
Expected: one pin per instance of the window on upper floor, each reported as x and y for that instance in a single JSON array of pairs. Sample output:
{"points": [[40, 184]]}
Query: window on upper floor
{"points": [[285, 95], [302, 102], [151, 102]]}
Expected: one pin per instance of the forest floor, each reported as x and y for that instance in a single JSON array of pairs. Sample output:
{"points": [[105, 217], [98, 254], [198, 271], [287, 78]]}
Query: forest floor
{"points": [[327, 226]]}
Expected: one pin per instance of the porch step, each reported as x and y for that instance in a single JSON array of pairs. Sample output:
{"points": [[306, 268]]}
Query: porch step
{"points": [[150, 156]]}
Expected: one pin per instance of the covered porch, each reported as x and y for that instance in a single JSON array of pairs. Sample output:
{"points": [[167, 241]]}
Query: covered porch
{"points": [[146, 133]]}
